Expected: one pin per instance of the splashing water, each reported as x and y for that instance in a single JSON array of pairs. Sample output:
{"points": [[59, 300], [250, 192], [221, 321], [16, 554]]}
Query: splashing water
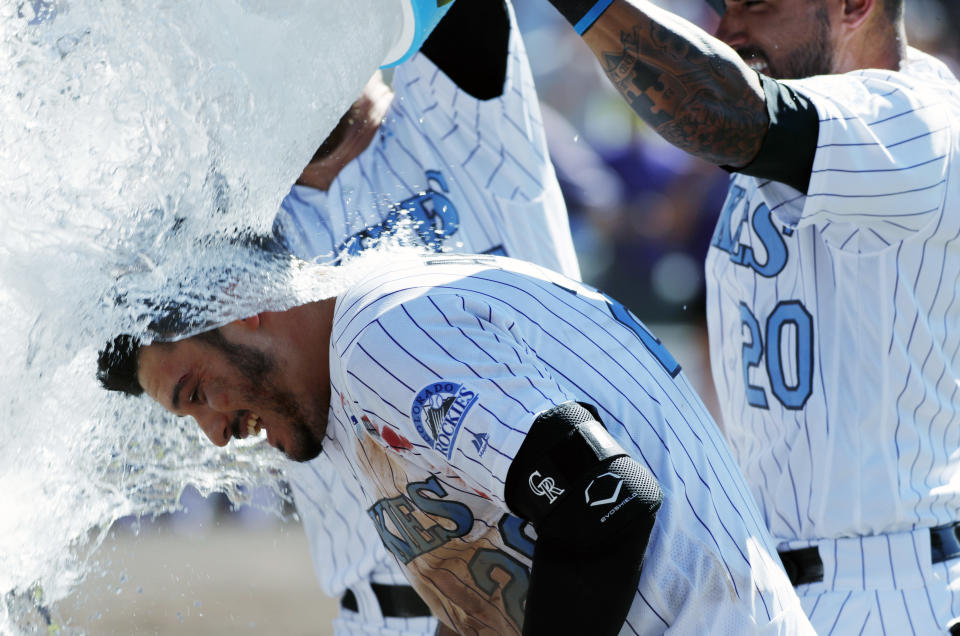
{"points": [[140, 142]]}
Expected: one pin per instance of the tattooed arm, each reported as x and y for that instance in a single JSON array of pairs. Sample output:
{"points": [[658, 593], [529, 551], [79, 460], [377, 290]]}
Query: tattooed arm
{"points": [[688, 86]]}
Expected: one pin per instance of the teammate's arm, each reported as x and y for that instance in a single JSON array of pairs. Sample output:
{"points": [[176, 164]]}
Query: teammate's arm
{"points": [[593, 507], [697, 92], [688, 86]]}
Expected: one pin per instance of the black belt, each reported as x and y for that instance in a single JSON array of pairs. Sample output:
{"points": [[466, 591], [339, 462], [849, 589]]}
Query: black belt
{"points": [[805, 565], [399, 601]]}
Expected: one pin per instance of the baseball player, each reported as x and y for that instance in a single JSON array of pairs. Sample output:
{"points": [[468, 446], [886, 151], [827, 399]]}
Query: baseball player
{"points": [[833, 282], [457, 150], [526, 448]]}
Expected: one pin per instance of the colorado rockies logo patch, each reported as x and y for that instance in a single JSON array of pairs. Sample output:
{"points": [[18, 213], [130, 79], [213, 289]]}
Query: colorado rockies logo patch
{"points": [[438, 411]]}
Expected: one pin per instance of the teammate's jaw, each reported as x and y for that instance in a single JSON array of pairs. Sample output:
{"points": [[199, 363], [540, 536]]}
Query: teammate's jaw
{"points": [[784, 39]]}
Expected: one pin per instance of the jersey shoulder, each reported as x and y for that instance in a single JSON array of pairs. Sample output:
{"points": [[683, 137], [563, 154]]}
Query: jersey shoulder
{"points": [[885, 149], [923, 89], [407, 276]]}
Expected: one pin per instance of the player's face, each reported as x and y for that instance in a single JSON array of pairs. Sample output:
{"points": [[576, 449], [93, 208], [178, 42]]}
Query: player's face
{"points": [[784, 39], [233, 390]]}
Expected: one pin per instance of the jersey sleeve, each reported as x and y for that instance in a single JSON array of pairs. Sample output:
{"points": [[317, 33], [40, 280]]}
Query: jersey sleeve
{"points": [[304, 224], [881, 161], [450, 379], [499, 141]]}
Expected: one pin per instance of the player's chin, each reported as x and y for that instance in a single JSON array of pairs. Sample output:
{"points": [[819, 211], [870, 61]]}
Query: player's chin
{"points": [[303, 448]]}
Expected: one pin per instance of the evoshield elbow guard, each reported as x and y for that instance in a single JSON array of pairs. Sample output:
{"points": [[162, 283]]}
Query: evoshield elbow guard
{"points": [[420, 17], [593, 507]]}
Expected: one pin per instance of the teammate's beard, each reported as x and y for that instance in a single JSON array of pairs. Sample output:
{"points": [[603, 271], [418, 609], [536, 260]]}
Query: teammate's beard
{"points": [[813, 57]]}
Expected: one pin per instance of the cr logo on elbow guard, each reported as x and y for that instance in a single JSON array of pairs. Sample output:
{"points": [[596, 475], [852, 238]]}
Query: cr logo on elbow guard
{"points": [[546, 486]]}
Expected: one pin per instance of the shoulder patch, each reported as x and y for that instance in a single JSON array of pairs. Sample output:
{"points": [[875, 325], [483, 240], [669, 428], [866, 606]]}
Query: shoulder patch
{"points": [[438, 411]]}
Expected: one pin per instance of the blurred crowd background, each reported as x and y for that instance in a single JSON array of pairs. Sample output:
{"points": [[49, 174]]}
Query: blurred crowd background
{"points": [[642, 215]]}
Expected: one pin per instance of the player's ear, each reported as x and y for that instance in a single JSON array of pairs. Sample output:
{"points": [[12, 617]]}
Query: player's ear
{"points": [[855, 12], [250, 323]]}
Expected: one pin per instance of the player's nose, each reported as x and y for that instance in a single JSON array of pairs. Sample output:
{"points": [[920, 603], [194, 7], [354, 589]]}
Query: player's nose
{"points": [[732, 29], [214, 425]]}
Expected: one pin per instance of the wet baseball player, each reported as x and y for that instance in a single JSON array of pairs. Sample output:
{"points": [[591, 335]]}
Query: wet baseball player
{"points": [[527, 450], [456, 151], [833, 281]]}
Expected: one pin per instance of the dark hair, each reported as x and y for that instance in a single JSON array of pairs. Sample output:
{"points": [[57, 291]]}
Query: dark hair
{"points": [[118, 362], [117, 365], [892, 8]]}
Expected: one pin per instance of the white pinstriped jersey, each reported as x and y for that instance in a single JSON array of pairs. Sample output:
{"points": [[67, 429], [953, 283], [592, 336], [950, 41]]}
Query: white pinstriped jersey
{"points": [[474, 175], [833, 316], [438, 369], [477, 174]]}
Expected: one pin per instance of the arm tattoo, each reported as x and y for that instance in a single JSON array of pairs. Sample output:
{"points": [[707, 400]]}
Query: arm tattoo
{"points": [[682, 87]]}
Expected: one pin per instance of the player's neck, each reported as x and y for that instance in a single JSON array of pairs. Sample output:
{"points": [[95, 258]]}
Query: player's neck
{"points": [[881, 45], [362, 123]]}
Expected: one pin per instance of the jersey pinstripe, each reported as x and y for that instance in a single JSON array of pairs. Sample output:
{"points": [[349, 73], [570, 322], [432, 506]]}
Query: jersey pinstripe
{"points": [[439, 367], [477, 176], [832, 315]]}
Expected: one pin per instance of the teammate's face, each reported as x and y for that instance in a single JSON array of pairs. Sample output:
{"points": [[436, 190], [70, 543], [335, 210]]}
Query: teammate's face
{"points": [[234, 390], [784, 39]]}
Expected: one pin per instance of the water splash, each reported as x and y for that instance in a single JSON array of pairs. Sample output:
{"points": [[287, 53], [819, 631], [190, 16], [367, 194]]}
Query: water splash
{"points": [[142, 145]]}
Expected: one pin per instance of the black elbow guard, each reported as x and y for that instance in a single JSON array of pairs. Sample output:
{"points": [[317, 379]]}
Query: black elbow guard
{"points": [[593, 507]]}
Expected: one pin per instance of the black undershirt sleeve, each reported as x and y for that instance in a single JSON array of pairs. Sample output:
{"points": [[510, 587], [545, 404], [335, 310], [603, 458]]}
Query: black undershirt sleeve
{"points": [[471, 45], [790, 145]]}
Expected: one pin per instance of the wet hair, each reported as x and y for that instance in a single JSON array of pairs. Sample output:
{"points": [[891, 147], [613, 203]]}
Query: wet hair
{"points": [[119, 361], [117, 366]]}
